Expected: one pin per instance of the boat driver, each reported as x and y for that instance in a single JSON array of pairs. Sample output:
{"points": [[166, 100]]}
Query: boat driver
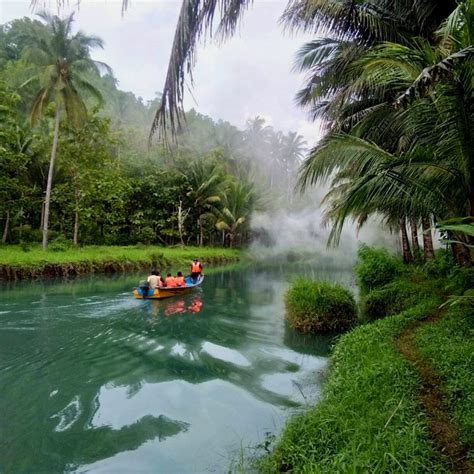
{"points": [[196, 270]]}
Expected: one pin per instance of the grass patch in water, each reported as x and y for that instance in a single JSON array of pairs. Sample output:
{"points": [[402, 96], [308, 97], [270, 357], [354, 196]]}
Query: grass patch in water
{"points": [[314, 306]]}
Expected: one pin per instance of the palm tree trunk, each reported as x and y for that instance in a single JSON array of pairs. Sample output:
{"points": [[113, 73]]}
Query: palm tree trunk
{"points": [[428, 250], [76, 218], [47, 199], [407, 256], [414, 237], [461, 254], [6, 228]]}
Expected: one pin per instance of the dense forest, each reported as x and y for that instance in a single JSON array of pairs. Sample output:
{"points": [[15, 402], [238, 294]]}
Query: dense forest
{"points": [[76, 166]]}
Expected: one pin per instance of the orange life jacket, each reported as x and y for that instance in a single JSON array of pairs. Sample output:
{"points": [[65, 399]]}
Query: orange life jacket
{"points": [[170, 282], [196, 267], [180, 281]]}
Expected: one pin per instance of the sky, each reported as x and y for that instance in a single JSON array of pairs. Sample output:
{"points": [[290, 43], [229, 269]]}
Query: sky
{"points": [[250, 74]]}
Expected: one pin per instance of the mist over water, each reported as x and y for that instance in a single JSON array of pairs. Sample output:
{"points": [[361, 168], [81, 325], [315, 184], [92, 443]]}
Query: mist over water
{"points": [[301, 235]]}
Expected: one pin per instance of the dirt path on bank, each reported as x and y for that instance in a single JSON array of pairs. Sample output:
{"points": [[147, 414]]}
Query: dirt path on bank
{"points": [[442, 429]]}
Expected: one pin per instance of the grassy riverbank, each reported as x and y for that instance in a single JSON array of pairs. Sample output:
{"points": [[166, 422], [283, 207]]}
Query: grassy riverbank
{"points": [[378, 412], [16, 263]]}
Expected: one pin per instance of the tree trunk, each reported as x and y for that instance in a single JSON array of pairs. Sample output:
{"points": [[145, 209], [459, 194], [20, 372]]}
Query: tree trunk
{"points": [[428, 250], [50, 178], [461, 253], [77, 194], [414, 237], [42, 216], [407, 256], [201, 234], [76, 228], [6, 228]]}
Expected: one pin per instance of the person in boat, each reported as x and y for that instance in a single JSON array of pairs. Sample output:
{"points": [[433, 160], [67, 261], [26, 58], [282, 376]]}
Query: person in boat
{"points": [[196, 270], [154, 280], [179, 280], [170, 281]]}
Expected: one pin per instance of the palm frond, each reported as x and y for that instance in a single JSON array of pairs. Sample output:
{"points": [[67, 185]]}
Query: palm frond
{"points": [[195, 20]]}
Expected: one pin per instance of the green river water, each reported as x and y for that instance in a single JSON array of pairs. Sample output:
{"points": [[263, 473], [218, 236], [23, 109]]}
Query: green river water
{"points": [[93, 380]]}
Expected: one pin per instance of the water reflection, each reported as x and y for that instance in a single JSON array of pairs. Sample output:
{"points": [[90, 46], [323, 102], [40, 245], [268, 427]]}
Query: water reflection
{"points": [[180, 305], [93, 379]]}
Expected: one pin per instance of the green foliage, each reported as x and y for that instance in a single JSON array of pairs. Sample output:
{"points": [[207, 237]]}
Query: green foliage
{"points": [[319, 306], [376, 267], [396, 105], [459, 280], [440, 266], [106, 179], [59, 244], [391, 298], [369, 419], [448, 345]]}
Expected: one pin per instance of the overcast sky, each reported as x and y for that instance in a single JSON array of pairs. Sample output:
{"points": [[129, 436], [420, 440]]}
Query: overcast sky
{"points": [[246, 76]]}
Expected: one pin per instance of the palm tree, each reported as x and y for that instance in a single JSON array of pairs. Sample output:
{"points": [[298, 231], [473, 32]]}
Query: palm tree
{"points": [[423, 150], [237, 203], [61, 59], [206, 181], [292, 154]]}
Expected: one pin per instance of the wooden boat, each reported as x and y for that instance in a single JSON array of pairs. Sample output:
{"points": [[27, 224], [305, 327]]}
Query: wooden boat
{"points": [[164, 292]]}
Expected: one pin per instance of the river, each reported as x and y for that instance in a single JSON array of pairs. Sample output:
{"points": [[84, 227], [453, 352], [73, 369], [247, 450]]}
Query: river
{"points": [[93, 380]]}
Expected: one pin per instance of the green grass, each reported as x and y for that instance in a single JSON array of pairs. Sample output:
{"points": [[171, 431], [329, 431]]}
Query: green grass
{"points": [[368, 419], [14, 254], [398, 295], [448, 345], [313, 306]]}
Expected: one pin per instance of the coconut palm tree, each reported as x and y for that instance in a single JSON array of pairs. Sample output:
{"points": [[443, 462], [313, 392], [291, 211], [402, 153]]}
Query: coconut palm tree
{"points": [[61, 59], [423, 145], [206, 180], [237, 204]]}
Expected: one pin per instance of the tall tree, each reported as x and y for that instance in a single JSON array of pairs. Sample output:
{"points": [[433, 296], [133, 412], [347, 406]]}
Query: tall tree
{"points": [[61, 60]]}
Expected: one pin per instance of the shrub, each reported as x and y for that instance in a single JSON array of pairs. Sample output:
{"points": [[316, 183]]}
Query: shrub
{"points": [[393, 298], [376, 267], [459, 280], [319, 306], [441, 266], [60, 244], [24, 233]]}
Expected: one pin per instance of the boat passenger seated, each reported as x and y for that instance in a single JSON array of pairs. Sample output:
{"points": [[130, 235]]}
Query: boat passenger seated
{"points": [[154, 280], [170, 281], [179, 280]]}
